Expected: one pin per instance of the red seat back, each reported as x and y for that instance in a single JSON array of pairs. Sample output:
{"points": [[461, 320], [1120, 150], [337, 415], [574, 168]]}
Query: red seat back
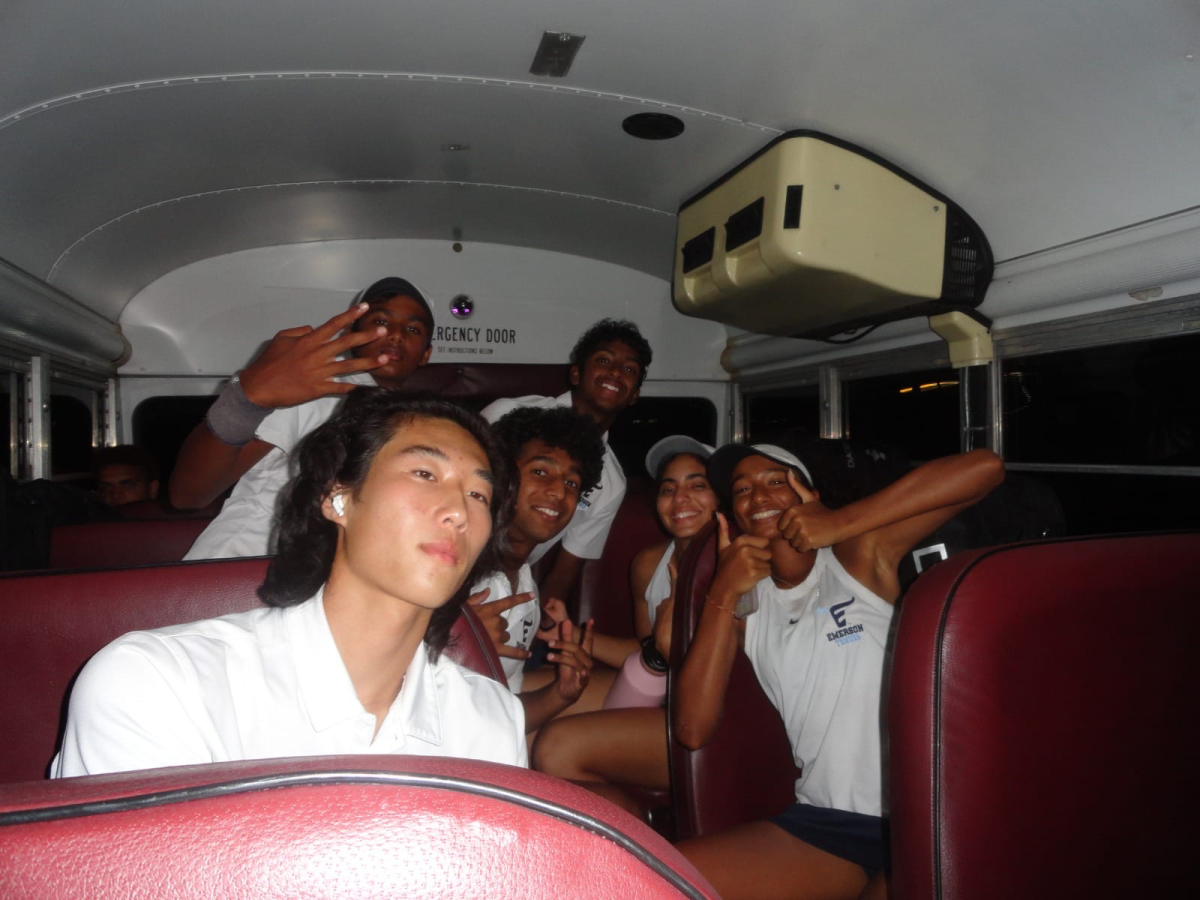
{"points": [[1042, 720], [330, 827], [136, 542], [604, 589], [746, 772], [51, 624]]}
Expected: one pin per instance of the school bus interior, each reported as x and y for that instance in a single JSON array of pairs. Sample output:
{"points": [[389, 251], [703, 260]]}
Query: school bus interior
{"points": [[179, 182]]}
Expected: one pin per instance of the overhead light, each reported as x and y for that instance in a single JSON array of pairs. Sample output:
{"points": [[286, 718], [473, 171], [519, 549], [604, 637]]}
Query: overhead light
{"points": [[555, 53], [653, 126]]}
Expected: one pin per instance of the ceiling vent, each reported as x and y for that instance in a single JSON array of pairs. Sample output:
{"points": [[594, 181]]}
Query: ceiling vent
{"points": [[556, 53], [812, 237]]}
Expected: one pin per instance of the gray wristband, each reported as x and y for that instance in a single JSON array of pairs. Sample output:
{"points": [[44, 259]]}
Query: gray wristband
{"points": [[233, 419]]}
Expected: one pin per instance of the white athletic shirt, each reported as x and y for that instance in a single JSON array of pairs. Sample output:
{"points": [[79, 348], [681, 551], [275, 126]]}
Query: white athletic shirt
{"points": [[658, 588], [522, 620], [818, 651], [587, 532], [270, 683], [243, 527]]}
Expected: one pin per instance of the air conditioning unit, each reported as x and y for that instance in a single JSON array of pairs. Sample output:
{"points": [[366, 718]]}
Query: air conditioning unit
{"points": [[813, 236]]}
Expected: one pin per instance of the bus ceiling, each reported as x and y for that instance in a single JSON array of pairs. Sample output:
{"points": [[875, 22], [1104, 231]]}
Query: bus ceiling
{"points": [[143, 140]]}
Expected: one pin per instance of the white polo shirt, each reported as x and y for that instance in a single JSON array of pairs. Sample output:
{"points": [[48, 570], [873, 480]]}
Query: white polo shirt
{"points": [[522, 619], [270, 683], [243, 527], [588, 531]]}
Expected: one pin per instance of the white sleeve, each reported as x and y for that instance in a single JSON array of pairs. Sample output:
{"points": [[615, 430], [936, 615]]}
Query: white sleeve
{"points": [[126, 714], [282, 428], [497, 409], [587, 532]]}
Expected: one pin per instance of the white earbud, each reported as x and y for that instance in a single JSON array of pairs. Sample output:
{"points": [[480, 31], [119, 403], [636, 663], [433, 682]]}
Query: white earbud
{"points": [[338, 504]]}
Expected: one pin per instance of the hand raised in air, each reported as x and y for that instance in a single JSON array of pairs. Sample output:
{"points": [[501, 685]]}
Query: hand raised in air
{"points": [[301, 364]]}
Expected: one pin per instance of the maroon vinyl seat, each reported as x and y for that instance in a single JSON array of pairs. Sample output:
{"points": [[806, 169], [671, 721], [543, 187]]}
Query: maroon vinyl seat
{"points": [[330, 827], [135, 542], [52, 623], [1043, 722], [746, 771], [605, 593]]}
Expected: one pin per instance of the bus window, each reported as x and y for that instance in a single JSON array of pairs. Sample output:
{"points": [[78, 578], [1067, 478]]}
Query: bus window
{"points": [[160, 425], [10, 422], [771, 414], [71, 435], [1115, 430], [653, 418], [1124, 404], [917, 411]]}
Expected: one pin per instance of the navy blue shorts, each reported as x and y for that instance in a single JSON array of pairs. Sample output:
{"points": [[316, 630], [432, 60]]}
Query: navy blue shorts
{"points": [[856, 837]]}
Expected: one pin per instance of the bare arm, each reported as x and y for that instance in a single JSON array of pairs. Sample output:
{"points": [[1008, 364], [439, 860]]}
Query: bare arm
{"points": [[208, 466], [563, 576], [574, 661], [612, 651], [298, 365], [641, 570], [700, 696], [871, 535]]}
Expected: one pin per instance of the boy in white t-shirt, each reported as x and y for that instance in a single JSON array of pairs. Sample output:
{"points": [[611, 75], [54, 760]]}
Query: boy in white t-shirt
{"points": [[556, 456], [293, 386], [608, 366]]}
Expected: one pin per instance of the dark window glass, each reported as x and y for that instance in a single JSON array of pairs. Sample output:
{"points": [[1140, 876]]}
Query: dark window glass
{"points": [[7, 399], [1129, 404], [917, 411], [160, 425], [70, 435], [653, 418], [1114, 504], [771, 414]]}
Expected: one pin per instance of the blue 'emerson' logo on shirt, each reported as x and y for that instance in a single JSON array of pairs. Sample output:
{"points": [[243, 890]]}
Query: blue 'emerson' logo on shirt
{"points": [[845, 634], [839, 614]]}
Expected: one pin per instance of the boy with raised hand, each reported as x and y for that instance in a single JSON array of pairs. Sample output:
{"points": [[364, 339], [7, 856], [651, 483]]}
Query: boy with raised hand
{"points": [[556, 456], [608, 366], [292, 387]]}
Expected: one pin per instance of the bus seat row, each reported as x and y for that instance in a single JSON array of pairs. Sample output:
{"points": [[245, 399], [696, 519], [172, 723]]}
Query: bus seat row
{"points": [[332, 827], [134, 542], [52, 623], [1041, 711]]}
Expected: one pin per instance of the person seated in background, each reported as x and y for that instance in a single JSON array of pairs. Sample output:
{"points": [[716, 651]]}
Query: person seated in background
{"points": [[808, 592], [292, 387], [608, 366], [625, 743], [125, 474], [555, 456], [389, 515]]}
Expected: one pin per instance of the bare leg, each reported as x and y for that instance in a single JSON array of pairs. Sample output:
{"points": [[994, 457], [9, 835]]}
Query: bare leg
{"points": [[761, 861], [621, 746], [876, 888]]}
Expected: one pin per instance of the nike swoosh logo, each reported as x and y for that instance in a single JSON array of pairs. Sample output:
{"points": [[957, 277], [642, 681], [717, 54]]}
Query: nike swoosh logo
{"points": [[793, 621]]}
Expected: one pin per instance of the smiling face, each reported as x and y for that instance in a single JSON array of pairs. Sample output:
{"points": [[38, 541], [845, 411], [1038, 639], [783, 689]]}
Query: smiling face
{"points": [[407, 342], [686, 502], [416, 524], [548, 492], [606, 382], [760, 495]]}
